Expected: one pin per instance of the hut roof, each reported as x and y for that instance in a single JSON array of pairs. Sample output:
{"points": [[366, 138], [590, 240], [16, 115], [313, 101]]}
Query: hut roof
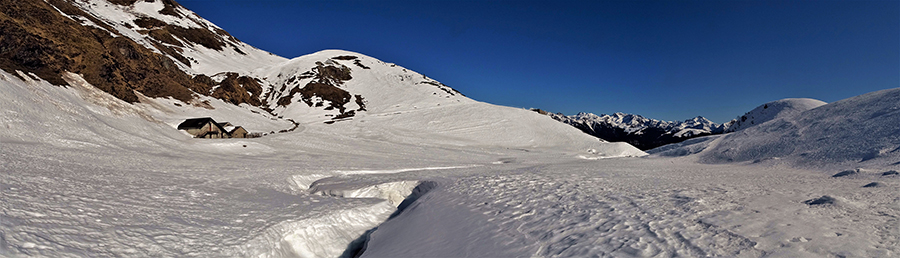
{"points": [[238, 128], [194, 123]]}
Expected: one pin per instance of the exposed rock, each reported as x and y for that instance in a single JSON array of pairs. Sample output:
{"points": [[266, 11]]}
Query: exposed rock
{"points": [[825, 199], [325, 85], [344, 57], [361, 102], [169, 8], [238, 89], [337, 96], [846, 173]]}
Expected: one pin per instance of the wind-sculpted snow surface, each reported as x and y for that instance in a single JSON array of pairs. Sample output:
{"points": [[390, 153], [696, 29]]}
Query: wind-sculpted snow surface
{"points": [[640, 208]]}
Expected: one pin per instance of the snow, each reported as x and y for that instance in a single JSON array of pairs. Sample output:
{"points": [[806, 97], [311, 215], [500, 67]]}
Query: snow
{"points": [[87, 175], [857, 132], [639, 207], [784, 108]]}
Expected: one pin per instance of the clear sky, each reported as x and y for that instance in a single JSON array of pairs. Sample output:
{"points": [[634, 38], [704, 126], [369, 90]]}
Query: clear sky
{"points": [[669, 60]]}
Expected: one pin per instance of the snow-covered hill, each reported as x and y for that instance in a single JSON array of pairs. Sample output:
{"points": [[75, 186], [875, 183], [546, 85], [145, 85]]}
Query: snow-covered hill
{"points": [[637, 130], [847, 134], [346, 91], [773, 110]]}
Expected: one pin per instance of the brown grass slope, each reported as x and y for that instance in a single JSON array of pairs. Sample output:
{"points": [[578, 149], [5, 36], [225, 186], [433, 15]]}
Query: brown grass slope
{"points": [[36, 38]]}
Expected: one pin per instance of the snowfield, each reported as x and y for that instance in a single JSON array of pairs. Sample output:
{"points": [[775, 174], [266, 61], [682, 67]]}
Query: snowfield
{"points": [[84, 174]]}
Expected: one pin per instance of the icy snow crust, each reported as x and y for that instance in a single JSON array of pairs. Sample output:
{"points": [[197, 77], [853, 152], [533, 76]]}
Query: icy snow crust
{"points": [[84, 174]]}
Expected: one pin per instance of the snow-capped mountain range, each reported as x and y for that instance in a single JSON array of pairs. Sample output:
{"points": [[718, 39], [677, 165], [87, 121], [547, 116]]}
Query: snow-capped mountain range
{"points": [[646, 133], [637, 130]]}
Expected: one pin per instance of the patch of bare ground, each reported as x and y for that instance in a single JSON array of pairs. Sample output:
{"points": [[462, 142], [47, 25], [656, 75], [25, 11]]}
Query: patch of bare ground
{"points": [[169, 8], [337, 96], [325, 86], [361, 102], [168, 33], [123, 2], [345, 58], [238, 89]]}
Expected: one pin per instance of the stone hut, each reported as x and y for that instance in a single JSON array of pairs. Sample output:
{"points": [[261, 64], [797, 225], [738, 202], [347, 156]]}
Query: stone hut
{"points": [[238, 132], [204, 127]]}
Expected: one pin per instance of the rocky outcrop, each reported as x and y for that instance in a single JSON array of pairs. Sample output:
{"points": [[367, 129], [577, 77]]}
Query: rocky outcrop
{"points": [[323, 88]]}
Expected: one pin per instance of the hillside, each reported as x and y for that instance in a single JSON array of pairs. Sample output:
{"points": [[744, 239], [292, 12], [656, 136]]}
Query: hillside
{"points": [[157, 48], [846, 134], [784, 108]]}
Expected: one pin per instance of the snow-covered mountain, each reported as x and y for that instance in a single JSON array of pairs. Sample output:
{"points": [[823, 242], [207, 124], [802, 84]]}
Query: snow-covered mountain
{"points": [[646, 133], [851, 133], [637, 130], [773, 110], [157, 49]]}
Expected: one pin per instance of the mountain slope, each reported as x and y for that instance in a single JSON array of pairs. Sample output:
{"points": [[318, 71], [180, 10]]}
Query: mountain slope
{"points": [[164, 26], [772, 110], [155, 47], [354, 93]]}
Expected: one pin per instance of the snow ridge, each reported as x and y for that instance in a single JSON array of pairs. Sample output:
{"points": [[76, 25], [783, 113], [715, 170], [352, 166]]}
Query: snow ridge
{"points": [[773, 110]]}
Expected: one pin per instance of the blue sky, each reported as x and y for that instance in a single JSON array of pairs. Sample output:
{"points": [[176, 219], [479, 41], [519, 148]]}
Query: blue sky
{"points": [[669, 60]]}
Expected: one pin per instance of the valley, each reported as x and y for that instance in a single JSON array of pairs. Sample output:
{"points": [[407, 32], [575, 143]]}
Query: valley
{"points": [[359, 157]]}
